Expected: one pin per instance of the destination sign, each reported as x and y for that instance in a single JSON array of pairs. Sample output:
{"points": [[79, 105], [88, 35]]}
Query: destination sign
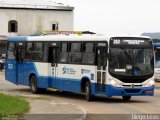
{"points": [[132, 42]]}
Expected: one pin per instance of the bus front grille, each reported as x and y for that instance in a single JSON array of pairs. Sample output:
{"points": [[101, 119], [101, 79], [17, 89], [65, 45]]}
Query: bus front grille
{"points": [[131, 86]]}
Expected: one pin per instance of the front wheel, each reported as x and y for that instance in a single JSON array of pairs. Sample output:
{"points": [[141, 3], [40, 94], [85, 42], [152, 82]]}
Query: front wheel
{"points": [[126, 98], [88, 92]]}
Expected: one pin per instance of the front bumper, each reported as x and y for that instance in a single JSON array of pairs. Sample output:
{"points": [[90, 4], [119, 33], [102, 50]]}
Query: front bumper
{"points": [[123, 91]]}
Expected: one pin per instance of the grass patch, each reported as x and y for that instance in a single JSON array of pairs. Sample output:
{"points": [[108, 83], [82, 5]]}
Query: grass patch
{"points": [[10, 105]]}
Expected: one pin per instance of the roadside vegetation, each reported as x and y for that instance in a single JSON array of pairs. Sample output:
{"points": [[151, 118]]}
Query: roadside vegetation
{"points": [[13, 105]]}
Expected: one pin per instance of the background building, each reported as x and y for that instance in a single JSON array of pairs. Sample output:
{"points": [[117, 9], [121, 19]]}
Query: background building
{"points": [[2, 44], [29, 17]]}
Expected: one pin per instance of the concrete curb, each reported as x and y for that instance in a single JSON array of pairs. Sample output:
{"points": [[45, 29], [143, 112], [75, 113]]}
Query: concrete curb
{"points": [[50, 110], [84, 112]]}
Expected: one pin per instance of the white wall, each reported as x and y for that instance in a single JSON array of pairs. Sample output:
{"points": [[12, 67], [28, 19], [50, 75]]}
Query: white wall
{"points": [[35, 21]]}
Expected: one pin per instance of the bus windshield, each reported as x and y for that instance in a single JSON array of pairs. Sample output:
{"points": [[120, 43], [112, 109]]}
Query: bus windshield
{"points": [[130, 61]]}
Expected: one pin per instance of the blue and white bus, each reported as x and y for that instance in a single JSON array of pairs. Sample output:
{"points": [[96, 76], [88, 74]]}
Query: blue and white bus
{"points": [[157, 60], [157, 51], [90, 64]]}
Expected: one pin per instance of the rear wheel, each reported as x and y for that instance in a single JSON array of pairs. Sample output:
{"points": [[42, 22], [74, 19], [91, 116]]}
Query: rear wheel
{"points": [[33, 85], [126, 98], [88, 91]]}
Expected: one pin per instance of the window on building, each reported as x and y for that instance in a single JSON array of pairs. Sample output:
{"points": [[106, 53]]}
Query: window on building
{"points": [[54, 26], [12, 26], [88, 53]]}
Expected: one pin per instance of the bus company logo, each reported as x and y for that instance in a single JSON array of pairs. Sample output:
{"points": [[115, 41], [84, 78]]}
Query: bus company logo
{"points": [[10, 66], [85, 71], [69, 71], [65, 70]]}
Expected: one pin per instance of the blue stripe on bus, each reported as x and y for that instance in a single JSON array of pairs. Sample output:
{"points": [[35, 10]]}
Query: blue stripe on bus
{"points": [[65, 84], [121, 91], [17, 38], [74, 85]]}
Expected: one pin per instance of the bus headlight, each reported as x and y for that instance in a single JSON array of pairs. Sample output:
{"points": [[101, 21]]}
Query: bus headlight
{"points": [[114, 83], [150, 83]]}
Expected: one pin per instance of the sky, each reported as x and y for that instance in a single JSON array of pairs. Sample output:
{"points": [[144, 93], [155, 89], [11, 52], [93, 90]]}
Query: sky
{"points": [[116, 16]]}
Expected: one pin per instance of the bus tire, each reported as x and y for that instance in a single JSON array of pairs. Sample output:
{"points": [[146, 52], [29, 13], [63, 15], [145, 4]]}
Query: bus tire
{"points": [[88, 91], [33, 85], [126, 98]]}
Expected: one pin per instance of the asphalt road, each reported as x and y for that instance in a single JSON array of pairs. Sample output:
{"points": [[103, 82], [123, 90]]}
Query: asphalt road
{"points": [[113, 105], [104, 108]]}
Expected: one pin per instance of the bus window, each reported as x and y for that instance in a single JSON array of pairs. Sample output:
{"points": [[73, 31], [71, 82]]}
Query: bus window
{"points": [[28, 53], [75, 54], [88, 53], [63, 53], [34, 51], [37, 53], [45, 59], [11, 51]]}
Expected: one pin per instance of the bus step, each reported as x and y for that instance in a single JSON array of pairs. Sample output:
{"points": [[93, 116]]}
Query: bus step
{"points": [[52, 89]]}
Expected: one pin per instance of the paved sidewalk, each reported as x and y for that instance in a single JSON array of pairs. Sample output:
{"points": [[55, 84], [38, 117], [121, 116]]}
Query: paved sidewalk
{"points": [[41, 106]]}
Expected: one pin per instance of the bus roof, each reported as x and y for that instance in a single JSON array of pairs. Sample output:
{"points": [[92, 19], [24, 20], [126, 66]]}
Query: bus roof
{"points": [[95, 37], [59, 38]]}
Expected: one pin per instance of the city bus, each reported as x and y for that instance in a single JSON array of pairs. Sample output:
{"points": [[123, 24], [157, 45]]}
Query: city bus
{"points": [[89, 64], [157, 60]]}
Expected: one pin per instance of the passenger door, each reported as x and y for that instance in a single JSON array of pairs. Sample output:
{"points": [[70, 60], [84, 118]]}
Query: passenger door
{"points": [[53, 59], [20, 65], [101, 61]]}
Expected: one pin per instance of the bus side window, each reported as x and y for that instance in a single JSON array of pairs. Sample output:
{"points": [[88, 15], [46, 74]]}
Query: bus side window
{"points": [[88, 53], [11, 51], [46, 50], [75, 55], [63, 53], [37, 53], [28, 52]]}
